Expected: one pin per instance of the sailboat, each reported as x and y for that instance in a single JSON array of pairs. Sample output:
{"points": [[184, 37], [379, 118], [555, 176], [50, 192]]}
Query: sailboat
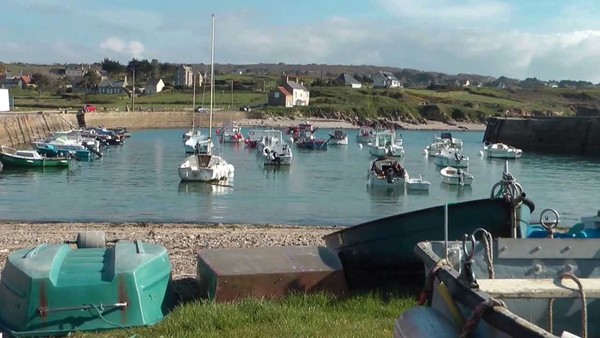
{"points": [[205, 166], [193, 140]]}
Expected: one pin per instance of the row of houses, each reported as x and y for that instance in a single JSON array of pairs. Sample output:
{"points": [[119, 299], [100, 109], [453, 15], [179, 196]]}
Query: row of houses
{"points": [[9, 81]]}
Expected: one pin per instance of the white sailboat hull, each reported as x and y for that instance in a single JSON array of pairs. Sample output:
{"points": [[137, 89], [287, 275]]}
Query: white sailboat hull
{"points": [[217, 170], [499, 150], [452, 176]]}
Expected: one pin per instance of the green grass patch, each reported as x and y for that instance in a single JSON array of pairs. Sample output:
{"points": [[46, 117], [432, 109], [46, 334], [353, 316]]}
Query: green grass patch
{"points": [[369, 315]]}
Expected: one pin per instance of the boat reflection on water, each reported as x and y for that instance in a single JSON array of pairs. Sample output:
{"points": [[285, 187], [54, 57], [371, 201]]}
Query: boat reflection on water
{"points": [[214, 188], [23, 172], [376, 191]]}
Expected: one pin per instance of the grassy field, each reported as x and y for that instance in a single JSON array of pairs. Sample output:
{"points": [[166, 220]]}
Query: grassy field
{"points": [[462, 104], [370, 315]]}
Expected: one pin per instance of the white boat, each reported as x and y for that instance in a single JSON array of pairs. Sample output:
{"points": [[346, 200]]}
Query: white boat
{"points": [[501, 150], [386, 144], [231, 133], [445, 140], [451, 157], [366, 134], [207, 167], [386, 172], [193, 139], [417, 184], [338, 137], [272, 150], [454, 176]]}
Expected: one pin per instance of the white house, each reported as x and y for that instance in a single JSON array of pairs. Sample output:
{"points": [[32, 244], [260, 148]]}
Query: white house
{"points": [[154, 86], [386, 80], [185, 76], [300, 95], [349, 80]]}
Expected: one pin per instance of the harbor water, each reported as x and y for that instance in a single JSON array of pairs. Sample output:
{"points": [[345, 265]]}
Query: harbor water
{"points": [[138, 182]]}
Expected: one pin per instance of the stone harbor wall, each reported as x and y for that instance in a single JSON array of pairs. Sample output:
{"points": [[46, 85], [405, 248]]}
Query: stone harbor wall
{"points": [[20, 129], [553, 135]]}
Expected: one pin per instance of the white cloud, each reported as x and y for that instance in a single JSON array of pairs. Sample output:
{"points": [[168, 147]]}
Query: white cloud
{"points": [[128, 48], [458, 12]]}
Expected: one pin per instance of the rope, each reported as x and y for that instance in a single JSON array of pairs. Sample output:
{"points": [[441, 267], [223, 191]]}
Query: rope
{"points": [[583, 301], [475, 318], [425, 296], [108, 321], [488, 243]]}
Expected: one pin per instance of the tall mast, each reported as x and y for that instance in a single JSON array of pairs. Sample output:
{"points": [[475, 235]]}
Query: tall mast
{"points": [[193, 101], [212, 74]]}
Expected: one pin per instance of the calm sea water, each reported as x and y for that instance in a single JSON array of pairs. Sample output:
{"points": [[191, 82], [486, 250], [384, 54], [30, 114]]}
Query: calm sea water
{"points": [[138, 182]]}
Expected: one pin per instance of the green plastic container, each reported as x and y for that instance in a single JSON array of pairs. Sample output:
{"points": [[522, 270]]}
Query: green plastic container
{"points": [[54, 289]]}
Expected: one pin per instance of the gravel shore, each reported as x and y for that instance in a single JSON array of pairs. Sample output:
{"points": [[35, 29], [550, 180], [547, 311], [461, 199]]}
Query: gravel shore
{"points": [[181, 240]]}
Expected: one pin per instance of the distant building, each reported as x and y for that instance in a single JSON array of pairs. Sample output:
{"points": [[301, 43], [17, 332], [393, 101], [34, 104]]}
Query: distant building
{"points": [[386, 80], [113, 86], [184, 76], [9, 83], [300, 95], [280, 97], [154, 86], [74, 71], [349, 80]]}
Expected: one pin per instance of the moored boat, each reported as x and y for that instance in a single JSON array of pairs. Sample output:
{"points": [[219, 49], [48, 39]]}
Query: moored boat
{"points": [[445, 140], [417, 184], [253, 138], [365, 134], [230, 133], [338, 137], [14, 158], [385, 143], [307, 140], [379, 253], [451, 157], [272, 150], [386, 173], [54, 289], [454, 176], [501, 150]]}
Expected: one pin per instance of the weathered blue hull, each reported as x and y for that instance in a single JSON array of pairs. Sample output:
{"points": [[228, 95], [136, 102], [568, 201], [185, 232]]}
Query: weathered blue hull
{"points": [[380, 252]]}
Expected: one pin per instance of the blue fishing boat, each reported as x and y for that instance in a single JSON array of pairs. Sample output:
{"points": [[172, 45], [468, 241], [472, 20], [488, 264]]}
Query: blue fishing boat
{"points": [[54, 289], [51, 150]]}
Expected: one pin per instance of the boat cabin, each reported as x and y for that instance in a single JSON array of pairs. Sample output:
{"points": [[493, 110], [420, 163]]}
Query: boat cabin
{"points": [[384, 139], [204, 160]]}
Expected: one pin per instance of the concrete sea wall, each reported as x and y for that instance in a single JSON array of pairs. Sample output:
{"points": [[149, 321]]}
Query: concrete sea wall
{"points": [[556, 135], [22, 128]]}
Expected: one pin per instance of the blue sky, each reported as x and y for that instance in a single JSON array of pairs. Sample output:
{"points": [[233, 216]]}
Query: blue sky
{"points": [[548, 39]]}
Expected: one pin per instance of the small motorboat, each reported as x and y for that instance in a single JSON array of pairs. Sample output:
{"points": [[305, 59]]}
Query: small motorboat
{"points": [[338, 137], [456, 176], [272, 150], [385, 143], [501, 150], [205, 168], [417, 184], [451, 157], [253, 139], [445, 140], [366, 134], [386, 172], [230, 133], [14, 158], [55, 289], [307, 140]]}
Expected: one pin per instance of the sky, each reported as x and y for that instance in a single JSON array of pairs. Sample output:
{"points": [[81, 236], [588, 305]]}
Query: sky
{"points": [[547, 39]]}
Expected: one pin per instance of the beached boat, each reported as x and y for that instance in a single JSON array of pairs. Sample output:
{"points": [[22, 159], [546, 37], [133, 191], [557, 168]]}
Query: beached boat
{"points": [[55, 289], [14, 158], [338, 137], [445, 140], [386, 173], [501, 150], [385, 143], [454, 176], [366, 134], [451, 157], [379, 253], [272, 150], [417, 184], [506, 287]]}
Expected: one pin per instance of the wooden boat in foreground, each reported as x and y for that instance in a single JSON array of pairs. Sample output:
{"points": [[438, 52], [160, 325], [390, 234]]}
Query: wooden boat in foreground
{"points": [[14, 158], [54, 289]]}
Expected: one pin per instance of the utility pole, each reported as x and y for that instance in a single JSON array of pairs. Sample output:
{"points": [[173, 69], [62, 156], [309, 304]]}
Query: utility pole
{"points": [[231, 93], [133, 92]]}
